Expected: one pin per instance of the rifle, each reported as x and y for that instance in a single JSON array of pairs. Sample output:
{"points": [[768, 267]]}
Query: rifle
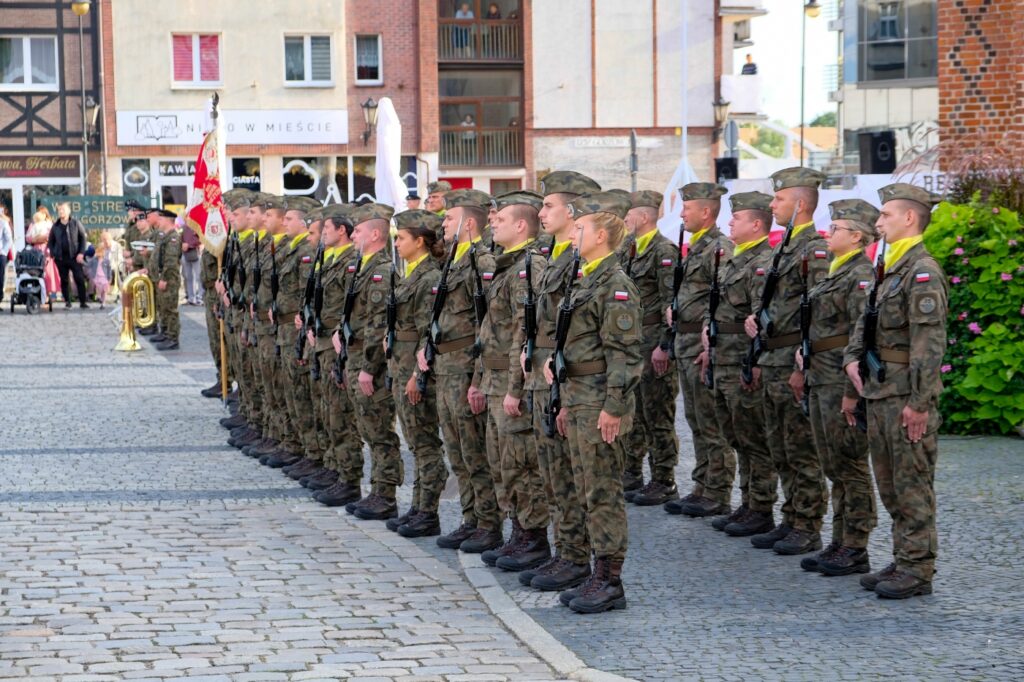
{"points": [[763, 319], [870, 362], [392, 318], [560, 372], [338, 373], [318, 307], [275, 285], [257, 279], [479, 301], [632, 257], [307, 301], [713, 300], [678, 272], [239, 299], [805, 336], [529, 314], [222, 277], [434, 335]]}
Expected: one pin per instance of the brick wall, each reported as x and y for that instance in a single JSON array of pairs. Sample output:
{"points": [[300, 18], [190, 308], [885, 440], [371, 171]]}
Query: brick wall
{"points": [[981, 75]]}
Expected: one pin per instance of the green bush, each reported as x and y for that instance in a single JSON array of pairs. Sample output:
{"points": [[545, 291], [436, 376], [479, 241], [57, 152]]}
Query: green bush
{"points": [[980, 247]]}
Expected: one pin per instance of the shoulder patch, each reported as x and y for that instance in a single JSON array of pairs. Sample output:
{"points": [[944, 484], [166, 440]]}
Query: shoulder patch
{"points": [[376, 296], [307, 259], [624, 321], [433, 291], [522, 274], [487, 276], [351, 268], [821, 254], [759, 272], [666, 262], [926, 305], [545, 251], [922, 277], [621, 295], [378, 278], [863, 284]]}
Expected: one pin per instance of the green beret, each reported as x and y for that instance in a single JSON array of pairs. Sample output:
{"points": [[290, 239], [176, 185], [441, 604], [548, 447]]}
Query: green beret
{"points": [[750, 201], [797, 176], [237, 198], [601, 202], [567, 182], [257, 198], [361, 214], [646, 198], [270, 201], [853, 209], [702, 190], [522, 197], [468, 197], [337, 212], [418, 218], [908, 192], [300, 203], [439, 186]]}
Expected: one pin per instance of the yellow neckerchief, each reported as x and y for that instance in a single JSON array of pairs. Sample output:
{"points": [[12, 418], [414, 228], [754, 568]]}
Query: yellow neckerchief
{"points": [[262, 234], [299, 238], [462, 248], [839, 260], [409, 267], [279, 236], [644, 241], [559, 248], [800, 228], [697, 235], [244, 234], [367, 257], [338, 250], [899, 248], [590, 266], [328, 255], [747, 246], [519, 247]]}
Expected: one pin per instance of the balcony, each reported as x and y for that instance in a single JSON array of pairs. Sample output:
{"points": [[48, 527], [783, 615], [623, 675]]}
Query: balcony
{"points": [[743, 93], [463, 147], [491, 41]]}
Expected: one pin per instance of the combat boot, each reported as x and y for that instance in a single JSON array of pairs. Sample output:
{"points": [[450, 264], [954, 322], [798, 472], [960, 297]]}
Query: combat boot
{"points": [[316, 473], [871, 580], [338, 494], [168, 344], [676, 506], [702, 506], [323, 481], [380, 509], [533, 550], [526, 576], [901, 585], [798, 542], [211, 392], [279, 459], [812, 564], [768, 540], [563, 577], [754, 523], [393, 524], [722, 521], [267, 447], [306, 467], [159, 337], [655, 493], [351, 507], [845, 561], [481, 540], [246, 439], [490, 557], [455, 539], [147, 331], [423, 524], [240, 430], [233, 422], [631, 481], [603, 592]]}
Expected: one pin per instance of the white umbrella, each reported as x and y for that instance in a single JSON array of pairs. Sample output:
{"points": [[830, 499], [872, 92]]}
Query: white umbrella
{"points": [[388, 185]]}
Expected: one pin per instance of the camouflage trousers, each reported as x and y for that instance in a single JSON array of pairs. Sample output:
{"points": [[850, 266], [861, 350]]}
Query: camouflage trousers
{"points": [[212, 303], [740, 416], [517, 469], [465, 442], [249, 383], [597, 472], [294, 392], [420, 428], [344, 448], [796, 460], [375, 424], [905, 474], [555, 462], [320, 442], [715, 466], [275, 414], [844, 459], [654, 428], [167, 310]]}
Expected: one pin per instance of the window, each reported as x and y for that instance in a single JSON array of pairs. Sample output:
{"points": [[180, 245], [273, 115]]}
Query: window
{"points": [[28, 63], [898, 40], [195, 60], [368, 60], [307, 61]]}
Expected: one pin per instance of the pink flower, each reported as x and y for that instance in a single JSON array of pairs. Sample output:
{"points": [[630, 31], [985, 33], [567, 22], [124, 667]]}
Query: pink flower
{"points": [[1006, 277], [952, 341], [962, 316], [1012, 242], [995, 211], [959, 240], [965, 261], [946, 369], [954, 279], [1022, 311], [974, 327], [958, 251]]}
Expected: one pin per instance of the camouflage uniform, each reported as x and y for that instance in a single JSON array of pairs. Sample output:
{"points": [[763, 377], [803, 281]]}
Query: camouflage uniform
{"points": [[275, 422], [208, 274], [165, 265], [293, 273], [249, 400]]}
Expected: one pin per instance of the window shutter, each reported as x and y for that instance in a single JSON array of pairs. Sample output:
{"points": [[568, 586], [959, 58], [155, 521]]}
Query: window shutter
{"points": [[182, 56], [209, 58], [320, 53]]}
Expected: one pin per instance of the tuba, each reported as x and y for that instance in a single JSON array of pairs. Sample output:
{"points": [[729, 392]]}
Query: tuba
{"points": [[138, 307]]}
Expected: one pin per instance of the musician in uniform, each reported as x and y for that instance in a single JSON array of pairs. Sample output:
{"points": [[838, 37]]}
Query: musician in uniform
{"points": [[163, 268]]}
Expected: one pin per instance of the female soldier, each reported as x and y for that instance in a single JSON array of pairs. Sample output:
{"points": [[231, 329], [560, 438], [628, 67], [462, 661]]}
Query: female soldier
{"points": [[837, 302], [603, 367]]}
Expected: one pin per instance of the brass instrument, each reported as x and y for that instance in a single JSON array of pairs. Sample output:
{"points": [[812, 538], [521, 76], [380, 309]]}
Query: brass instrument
{"points": [[138, 307]]}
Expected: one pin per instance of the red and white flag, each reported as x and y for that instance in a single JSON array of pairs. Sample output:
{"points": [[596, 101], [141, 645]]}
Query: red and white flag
{"points": [[205, 213]]}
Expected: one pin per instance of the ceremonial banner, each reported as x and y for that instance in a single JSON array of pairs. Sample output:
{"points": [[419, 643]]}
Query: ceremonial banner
{"points": [[205, 212]]}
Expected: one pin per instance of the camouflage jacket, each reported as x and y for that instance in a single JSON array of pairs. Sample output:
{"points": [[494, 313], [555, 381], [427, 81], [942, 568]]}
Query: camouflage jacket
{"points": [[265, 298], [549, 294], [458, 319], [132, 233], [293, 274], [165, 261], [698, 270], [501, 334], [337, 269], [912, 304], [415, 296], [837, 302], [208, 271], [740, 280], [605, 334], [369, 315], [651, 271], [785, 305]]}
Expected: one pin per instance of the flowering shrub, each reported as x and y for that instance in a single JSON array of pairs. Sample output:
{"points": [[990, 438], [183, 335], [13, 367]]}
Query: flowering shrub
{"points": [[977, 245]]}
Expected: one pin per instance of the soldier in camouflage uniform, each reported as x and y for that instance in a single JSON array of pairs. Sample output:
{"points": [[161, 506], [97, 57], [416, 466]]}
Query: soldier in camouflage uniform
{"points": [[603, 365], [436, 192], [903, 410], [837, 302], [209, 271], [788, 429], [236, 203], [164, 270], [143, 231]]}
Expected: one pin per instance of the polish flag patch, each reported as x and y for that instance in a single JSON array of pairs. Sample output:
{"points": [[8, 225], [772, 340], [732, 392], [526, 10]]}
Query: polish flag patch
{"points": [[351, 268], [821, 254], [377, 278], [487, 276], [433, 290], [307, 259], [579, 274], [759, 272], [545, 251], [862, 284], [621, 296], [666, 262], [522, 274], [922, 277]]}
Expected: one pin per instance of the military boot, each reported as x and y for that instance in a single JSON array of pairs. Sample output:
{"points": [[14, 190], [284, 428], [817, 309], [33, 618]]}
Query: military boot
{"points": [[845, 561], [280, 459], [351, 507], [655, 493], [533, 550], [159, 337], [767, 540], [676, 506], [603, 592], [527, 575], [490, 557], [721, 522], [212, 391], [562, 577], [423, 524], [631, 481], [248, 436], [338, 494], [306, 467], [798, 542], [230, 423], [267, 447], [901, 585], [871, 580], [147, 331], [316, 473], [703, 506], [454, 539], [812, 564], [753, 523], [380, 509], [168, 344], [393, 524], [240, 430], [481, 540], [323, 480]]}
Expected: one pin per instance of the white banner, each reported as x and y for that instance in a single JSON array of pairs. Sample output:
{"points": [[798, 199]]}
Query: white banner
{"points": [[273, 126]]}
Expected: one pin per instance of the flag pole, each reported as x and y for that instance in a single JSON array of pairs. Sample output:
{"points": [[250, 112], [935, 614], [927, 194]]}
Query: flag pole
{"points": [[215, 101]]}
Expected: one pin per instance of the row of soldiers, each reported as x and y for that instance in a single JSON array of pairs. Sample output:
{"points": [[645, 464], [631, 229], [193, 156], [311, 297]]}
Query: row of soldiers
{"points": [[153, 248], [536, 341]]}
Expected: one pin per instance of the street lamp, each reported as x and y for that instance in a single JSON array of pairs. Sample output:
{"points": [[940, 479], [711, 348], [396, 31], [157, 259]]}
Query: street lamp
{"points": [[721, 108], [81, 8], [811, 9], [370, 117]]}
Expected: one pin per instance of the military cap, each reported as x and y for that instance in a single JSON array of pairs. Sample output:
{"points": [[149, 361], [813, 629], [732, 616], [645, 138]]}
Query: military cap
{"points": [[798, 176], [601, 202], [702, 190], [523, 197], [468, 197], [418, 218], [567, 182], [133, 205], [269, 201], [750, 201], [439, 186], [646, 197], [853, 209], [412, 196], [908, 192], [301, 203], [371, 212], [313, 216], [163, 212], [237, 198]]}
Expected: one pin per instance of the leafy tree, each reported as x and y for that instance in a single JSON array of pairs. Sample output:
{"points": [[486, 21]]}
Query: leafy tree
{"points": [[826, 120]]}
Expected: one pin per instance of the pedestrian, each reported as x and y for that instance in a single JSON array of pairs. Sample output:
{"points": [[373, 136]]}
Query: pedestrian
{"points": [[191, 247], [749, 68], [6, 246], [67, 243], [96, 274]]}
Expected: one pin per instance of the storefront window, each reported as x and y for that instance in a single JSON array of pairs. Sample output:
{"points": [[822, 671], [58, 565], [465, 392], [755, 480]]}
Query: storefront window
{"points": [[245, 174], [135, 177]]}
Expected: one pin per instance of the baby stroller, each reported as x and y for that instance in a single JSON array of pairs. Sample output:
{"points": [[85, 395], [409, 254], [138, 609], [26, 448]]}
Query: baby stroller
{"points": [[29, 287]]}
